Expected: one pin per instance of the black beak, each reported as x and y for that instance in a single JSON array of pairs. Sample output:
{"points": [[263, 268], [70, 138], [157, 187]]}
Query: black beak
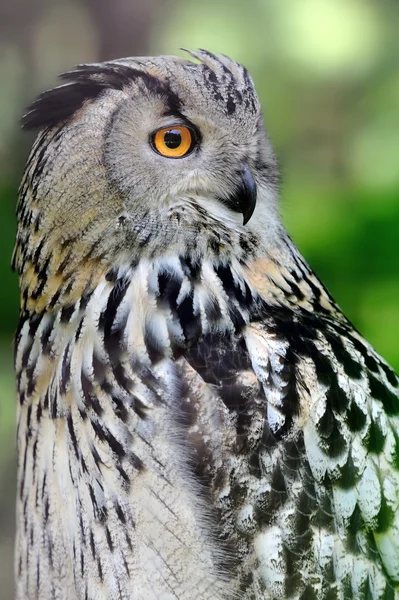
{"points": [[244, 199]]}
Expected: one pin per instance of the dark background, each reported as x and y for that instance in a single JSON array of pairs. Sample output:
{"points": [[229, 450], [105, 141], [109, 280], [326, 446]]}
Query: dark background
{"points": [[327, 75]]}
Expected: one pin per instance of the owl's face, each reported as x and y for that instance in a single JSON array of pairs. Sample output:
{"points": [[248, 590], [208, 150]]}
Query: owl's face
{"points": [[194, 134], [147, 155]]}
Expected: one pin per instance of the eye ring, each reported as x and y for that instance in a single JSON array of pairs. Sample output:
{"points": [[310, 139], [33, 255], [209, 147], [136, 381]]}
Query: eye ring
{"points": [[175, 141]]}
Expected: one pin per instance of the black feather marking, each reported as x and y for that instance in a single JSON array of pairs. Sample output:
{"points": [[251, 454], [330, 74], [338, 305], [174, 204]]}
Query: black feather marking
{"points": [[375, 439], [100, 570], [230, 104], [109, 539], [34, 323], [385, 516], [325, 372], [72, 435], [231, 287], [120, 513], [191, 268], [331, 439], [291, 406], [129, 542], [79, 329], [169, 287], [152, 344], [41, 269], [31, 380], [46, 509], [325, 425], [370, 362], [278, 493], [212, 310], [17, 339], [337, 399], [60, 104], [90, 400], [105, 435], [112, 334], [46, 400], [39, 411], [122, 378], [310, 594], [381, 392], [318, 307], [190, 323], [139, 407], [101, 513], [26, 352], [349, 474], [356, 524], [293, 577], [91, 536], [39, 289], [55, 298], [86, 83], [114, 444], [351, 367], [34, 456], [390, 375], [123, 474], [295, 289], [96, 456], [66, 313], [65, 370], [355, 418], [82, 563], [120, 409]]}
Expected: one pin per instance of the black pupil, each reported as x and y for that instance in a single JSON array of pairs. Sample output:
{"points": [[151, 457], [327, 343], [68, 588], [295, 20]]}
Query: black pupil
{"points": [[172, 138]]}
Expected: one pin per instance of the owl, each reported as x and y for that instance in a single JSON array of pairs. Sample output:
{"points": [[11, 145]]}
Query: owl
{"points": [[197, 420]]}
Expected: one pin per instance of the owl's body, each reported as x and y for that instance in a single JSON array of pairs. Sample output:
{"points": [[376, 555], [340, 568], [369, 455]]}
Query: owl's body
{"points": [[197, 418]]}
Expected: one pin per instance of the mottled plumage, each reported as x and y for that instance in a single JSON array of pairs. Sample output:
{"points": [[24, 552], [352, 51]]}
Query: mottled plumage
{"points": [[197, 419]]}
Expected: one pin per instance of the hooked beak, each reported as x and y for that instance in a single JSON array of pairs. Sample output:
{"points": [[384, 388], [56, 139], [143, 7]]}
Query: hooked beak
{"points": [[244, 199]]}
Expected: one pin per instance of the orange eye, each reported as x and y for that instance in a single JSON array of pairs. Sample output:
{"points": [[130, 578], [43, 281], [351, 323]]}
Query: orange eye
{"points": [[173, 142]]}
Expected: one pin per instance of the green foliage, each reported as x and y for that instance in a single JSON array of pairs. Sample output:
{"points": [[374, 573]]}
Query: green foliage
{"points": [[9, 299]]}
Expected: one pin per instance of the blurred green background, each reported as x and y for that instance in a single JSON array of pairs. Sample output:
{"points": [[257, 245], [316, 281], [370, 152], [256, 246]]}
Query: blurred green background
{"points": [[328, 78]]}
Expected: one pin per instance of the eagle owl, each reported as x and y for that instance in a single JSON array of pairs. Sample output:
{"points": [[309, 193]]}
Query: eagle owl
{"points": [[197, 420]]}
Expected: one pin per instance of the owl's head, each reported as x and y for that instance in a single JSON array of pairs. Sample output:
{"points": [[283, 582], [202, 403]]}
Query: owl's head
{"points": [[146, 156]]}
